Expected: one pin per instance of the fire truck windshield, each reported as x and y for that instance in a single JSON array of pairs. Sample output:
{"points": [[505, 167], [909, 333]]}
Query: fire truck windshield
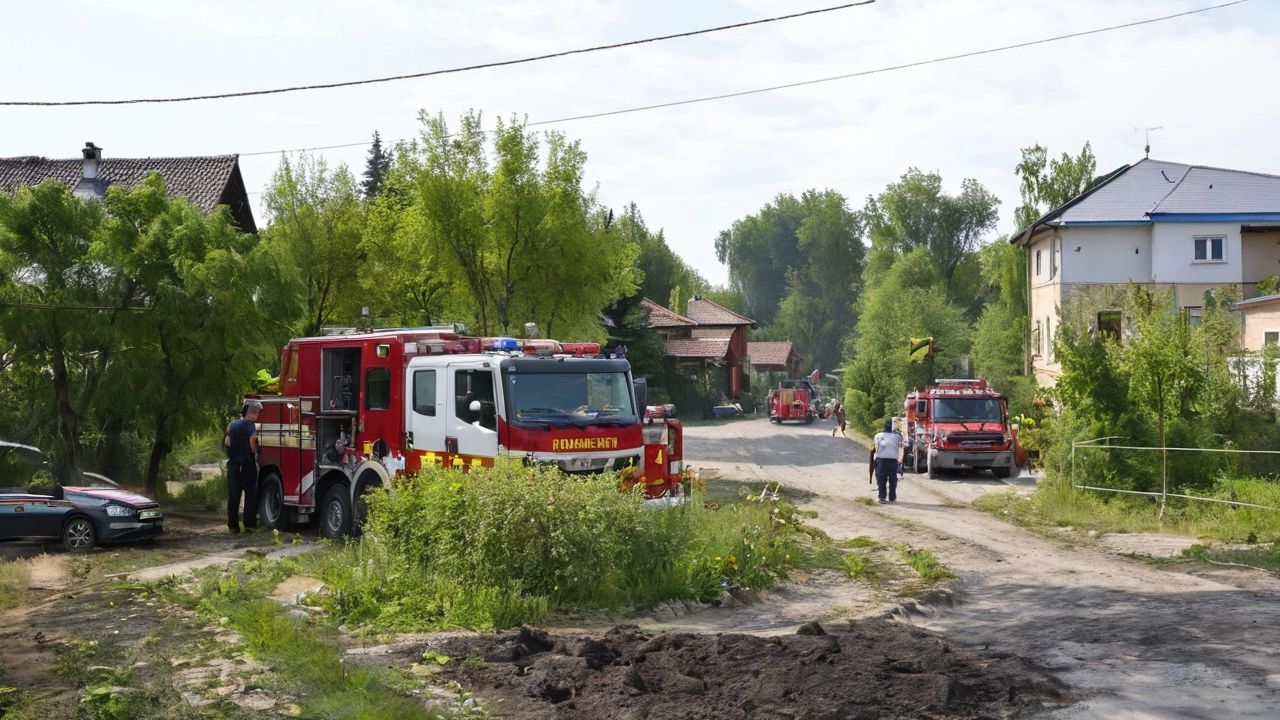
{"points": [[570, 398], [967, 409]]}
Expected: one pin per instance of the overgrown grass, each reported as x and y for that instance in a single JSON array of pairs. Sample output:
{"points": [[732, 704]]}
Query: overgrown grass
{"points": [[206, 494], [1266, 557], [862, 567], [925, 564], [1056, 504], [305, 659], [15, 576], [504, 546]]}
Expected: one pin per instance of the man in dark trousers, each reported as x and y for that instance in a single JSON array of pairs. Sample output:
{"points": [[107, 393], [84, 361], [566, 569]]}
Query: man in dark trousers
{"points": [[887, 445], [241, 443]]}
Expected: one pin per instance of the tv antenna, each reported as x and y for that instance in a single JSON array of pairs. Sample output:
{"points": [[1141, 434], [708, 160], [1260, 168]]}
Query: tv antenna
{"points": [[1147, 131]]}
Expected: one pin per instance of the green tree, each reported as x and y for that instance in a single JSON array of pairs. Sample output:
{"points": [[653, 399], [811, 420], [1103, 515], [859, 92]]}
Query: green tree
{"points": [[1000, 335], [664, 275], [1045, 184], [59, 306], [915, 212], [376, 168], [316, 218], [907, 302], [220, 305], [760, 249], [525, 238]]}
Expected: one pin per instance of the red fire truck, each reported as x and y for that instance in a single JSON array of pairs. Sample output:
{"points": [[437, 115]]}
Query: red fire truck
{"points": [[356, 409], [958, 425], [794, 400]]}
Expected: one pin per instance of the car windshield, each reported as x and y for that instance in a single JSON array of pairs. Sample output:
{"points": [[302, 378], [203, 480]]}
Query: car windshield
{"points": [[25, 468], [564, 399], [967, 410]]}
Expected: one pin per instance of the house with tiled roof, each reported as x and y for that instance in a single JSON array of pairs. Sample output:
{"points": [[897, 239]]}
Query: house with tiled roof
{"points": [[781, 357], [204, 181], [710, 334], [1188, 228]]}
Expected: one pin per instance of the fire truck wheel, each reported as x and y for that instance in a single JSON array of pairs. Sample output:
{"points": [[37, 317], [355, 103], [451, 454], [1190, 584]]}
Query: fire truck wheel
{"points": [[931, 471], [335, 513], [1001, 473], [271, 503]]}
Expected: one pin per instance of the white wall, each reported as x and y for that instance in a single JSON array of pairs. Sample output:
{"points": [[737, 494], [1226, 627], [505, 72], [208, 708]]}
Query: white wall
{"points": [[1106, 254], [1173, 254]]}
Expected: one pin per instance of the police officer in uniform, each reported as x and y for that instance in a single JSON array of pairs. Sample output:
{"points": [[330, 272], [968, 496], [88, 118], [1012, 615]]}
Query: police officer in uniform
{"points": [[241, 443]]}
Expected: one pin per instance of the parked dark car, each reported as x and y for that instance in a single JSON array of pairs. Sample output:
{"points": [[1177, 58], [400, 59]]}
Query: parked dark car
{"points": [[94, 511]]}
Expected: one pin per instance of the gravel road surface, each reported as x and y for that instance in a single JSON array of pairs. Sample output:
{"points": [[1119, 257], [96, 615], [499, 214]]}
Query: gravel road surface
{"points": [[1132, 639]]}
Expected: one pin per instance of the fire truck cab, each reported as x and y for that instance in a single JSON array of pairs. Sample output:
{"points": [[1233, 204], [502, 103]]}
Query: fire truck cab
{"points": [[958, 425], [356, 409]]}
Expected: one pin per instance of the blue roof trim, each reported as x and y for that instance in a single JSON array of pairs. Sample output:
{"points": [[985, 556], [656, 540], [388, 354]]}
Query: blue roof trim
{"points": [[1257, 300], [1099, 223], [1214, 217]]}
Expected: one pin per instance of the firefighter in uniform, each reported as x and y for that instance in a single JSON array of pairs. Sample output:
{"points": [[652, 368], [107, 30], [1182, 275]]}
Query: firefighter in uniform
{"points": [[241, 443]]}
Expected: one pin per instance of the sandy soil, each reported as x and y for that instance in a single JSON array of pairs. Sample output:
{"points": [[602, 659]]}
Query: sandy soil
{"points": [[1131, 639]]}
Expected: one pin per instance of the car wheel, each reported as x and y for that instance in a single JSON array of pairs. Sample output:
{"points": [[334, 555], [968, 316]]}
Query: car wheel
{"points": [[79, 534], [271, 503], [335, 513]]}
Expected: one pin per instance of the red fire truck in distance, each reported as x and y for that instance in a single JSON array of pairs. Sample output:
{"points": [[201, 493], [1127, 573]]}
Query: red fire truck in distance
{"points": [[958, 425], [356, 409]]}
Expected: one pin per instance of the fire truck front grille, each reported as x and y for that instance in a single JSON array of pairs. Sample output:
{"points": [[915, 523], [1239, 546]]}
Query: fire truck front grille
{"points": [[975, 438]]}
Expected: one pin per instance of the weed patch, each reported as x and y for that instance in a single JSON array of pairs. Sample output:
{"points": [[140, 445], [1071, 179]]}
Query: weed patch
{"points": [[500, 547], [862, 541], [1054, 503], [1266, 557], [15, 576], [926, 565]]}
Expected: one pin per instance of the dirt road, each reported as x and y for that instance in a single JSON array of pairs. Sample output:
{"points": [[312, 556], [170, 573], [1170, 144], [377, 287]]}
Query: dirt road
{"points": [[1132, 639]]}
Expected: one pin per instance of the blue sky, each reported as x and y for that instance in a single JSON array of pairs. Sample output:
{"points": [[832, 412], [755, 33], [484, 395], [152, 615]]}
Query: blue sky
{"points": [[1209, 80]]}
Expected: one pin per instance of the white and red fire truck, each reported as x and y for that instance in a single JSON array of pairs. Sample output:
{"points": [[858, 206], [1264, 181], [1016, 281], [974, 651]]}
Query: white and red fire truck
{"points": [[958, 425], [356, 409]]}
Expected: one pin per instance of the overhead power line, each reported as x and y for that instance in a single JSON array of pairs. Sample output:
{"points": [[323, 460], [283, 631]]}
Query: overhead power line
{"points": [[432, 73], [832, 78]]}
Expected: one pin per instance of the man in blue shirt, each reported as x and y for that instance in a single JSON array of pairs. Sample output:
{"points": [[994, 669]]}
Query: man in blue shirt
{"points": [[887, 446], [241, 443]]}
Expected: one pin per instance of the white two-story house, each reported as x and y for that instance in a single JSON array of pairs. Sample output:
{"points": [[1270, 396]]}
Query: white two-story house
{"points": [[1185, 227]]}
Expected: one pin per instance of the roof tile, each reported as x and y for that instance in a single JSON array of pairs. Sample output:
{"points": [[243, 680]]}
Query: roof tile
{"points": [[770, 353], [660, 317], [711, 349], [704, 312], [199, 180]]}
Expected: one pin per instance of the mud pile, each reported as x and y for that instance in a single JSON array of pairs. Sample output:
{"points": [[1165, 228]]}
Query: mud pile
{"points": [[875, 670]]}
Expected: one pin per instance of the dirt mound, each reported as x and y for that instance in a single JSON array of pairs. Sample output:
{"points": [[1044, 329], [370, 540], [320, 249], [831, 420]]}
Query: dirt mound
{"points": [[875, 670]]}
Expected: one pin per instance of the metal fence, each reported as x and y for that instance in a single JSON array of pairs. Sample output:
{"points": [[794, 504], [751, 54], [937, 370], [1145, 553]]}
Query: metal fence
{"points": [[1164, 494]]}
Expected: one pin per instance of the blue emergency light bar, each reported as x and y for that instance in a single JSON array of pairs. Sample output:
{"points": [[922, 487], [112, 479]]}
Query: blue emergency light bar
{"points": [[505, 344]]}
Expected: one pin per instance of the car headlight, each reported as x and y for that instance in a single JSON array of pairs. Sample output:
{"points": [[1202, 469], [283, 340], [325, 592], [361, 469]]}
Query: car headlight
{"points": [[119, 510]]}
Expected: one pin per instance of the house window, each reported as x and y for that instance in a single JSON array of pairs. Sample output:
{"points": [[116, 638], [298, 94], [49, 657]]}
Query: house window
{"points": [[1211, 249], [1271, 337], [1048, 338], [1037, 263], [1035, 340], [1053, 259], [1109, 323], [1193, 315]]}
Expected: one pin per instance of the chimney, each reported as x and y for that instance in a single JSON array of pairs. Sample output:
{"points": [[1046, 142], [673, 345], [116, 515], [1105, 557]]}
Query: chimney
{"points": [[92, 154]]}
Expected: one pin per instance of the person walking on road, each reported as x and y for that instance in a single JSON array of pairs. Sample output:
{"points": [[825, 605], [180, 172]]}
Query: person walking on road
{"points": [[887, 446], [241, 443], [840, 418]]}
